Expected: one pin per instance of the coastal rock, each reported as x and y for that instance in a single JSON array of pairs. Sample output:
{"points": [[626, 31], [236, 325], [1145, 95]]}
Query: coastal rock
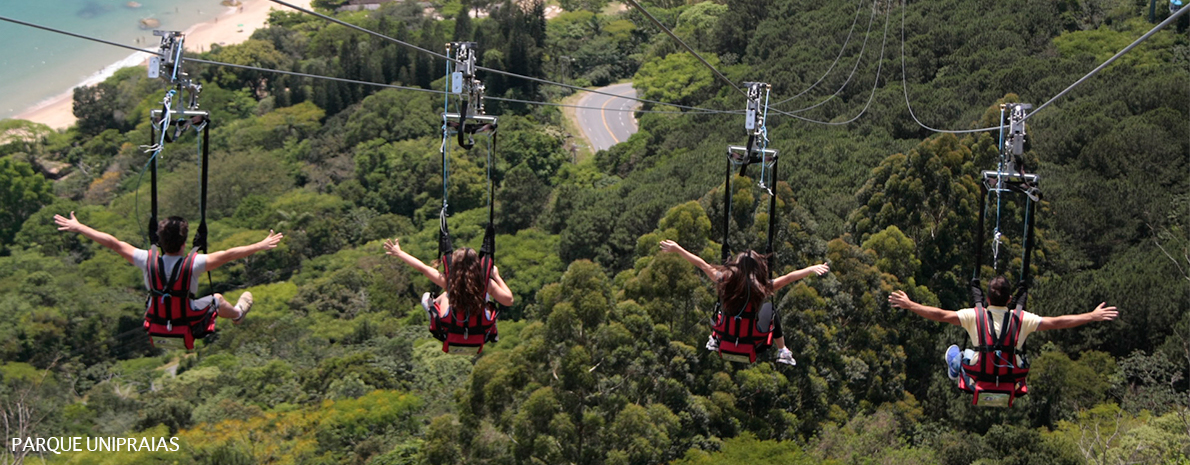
{"points": [[132, 5], [232, 3], [150, 23]]}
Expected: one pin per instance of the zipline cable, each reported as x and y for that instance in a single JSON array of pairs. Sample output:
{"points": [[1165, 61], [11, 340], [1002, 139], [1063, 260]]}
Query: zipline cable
{"points": [[871, 96], [367, 83], [1167, 22], [683, 44], [490, 70], [850, 32], [1061, 94], [854, 67]]}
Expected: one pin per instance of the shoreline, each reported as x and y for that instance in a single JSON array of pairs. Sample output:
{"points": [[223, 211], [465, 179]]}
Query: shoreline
{"points": [[234, 25]]}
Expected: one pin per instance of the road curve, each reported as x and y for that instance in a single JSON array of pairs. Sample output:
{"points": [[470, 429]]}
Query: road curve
{"points": [[603, 125]]}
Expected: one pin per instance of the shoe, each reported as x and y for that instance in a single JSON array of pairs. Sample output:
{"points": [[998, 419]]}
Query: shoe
{"points": [[786, 356], [713, 344], [243, 305], [952, 362], [427, 302]]}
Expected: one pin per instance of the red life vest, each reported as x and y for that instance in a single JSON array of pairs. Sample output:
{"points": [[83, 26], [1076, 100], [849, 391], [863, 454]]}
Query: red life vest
{"points": [[168, 313], [743, 335], [467, 335], [997, 378]]}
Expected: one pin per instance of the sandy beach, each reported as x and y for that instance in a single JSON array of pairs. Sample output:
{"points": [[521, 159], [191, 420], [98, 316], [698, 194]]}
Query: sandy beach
{"points": [[232, 26]]}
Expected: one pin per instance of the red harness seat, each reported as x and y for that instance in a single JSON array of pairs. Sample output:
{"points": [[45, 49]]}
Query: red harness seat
{"points": [[168, 313], [466, 336], [745, 334], [996, 379]]}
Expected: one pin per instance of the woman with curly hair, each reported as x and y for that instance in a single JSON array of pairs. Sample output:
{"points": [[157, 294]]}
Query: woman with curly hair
{"points": [[743, 281], [465, 290]]}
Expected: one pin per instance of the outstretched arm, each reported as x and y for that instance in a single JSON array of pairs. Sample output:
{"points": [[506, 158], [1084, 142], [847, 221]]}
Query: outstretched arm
{"points": [[1100, 313], [499, 289], [900, 300], [72, 224], [222, 257], [819, 269], [393, 247], [698, 262]]}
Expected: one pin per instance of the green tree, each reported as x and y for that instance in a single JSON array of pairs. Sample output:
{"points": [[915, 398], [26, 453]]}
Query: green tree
{"points": [[22, 194]]}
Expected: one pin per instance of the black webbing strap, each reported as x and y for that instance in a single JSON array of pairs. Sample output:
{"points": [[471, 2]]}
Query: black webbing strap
{"points": [[463, 125], [772, 216], [489, 233], [153, 187], [727, 211], [1022, 292], [200, 237], [977, 293]]}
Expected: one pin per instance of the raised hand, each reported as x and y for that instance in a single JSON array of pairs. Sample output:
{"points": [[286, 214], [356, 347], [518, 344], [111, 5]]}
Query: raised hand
{"points": [[71, 224], [899, 299], [1104, 313], [272, 240], [820, 269], [392, 247], [670, 246]]}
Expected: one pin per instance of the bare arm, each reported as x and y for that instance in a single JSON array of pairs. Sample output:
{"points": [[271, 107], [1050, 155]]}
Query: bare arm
{"points": [[499, 289], [900, 300], [393, 247], [222, 257], [1100, 313], [72, 224], [698, 262], [819, 269]]}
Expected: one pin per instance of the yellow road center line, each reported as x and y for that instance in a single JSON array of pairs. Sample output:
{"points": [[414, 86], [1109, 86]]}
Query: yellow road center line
{"points": [[603, 116]]}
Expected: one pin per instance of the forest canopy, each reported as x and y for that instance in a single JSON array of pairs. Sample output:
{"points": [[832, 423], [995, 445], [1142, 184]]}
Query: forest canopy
{"points": [[601, 358]]}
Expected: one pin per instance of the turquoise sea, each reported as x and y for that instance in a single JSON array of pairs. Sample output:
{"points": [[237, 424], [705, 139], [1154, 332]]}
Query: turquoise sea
{"points": [[37, 65]]}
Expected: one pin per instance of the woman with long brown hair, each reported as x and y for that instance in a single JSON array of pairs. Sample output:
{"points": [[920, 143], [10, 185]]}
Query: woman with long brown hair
{"points": [[743, 281], [464, 288]]}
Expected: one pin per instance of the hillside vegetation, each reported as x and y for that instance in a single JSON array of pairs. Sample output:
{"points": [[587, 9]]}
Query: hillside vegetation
{"points": [[601, 359]]}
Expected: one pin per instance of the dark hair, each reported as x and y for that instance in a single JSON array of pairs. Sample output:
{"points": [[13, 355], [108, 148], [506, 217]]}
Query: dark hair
{"points": [[465, 283], [999, 291], [745, 280], [171, 234]]}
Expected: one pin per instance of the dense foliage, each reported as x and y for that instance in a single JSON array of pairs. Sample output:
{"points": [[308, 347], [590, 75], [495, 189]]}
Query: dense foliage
{"points": [[601, 359]]}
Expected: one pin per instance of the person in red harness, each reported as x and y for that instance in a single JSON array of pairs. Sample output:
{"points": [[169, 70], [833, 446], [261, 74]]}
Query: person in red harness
{"points": [[465, 288], [985, 330], [172, 239], [743, 282]]}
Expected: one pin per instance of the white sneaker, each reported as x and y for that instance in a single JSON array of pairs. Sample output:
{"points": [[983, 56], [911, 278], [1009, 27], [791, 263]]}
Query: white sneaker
{"points": [[713, 344], [427, 302], [243, 305], [786, 356]]}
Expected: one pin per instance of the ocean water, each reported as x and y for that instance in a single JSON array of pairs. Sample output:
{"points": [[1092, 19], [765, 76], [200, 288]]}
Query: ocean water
{"points": [[37, 65]]}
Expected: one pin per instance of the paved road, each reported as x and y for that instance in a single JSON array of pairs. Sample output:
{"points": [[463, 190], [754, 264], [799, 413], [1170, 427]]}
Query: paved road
{"points": [[606, 127]]}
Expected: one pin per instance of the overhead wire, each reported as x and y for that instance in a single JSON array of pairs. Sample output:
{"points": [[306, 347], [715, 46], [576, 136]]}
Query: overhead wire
{"points": [[855, 67], [687, 47], [846, 41], [492, 70], [871, 96], [367, 83], [905, 88], [1170, 20]]}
